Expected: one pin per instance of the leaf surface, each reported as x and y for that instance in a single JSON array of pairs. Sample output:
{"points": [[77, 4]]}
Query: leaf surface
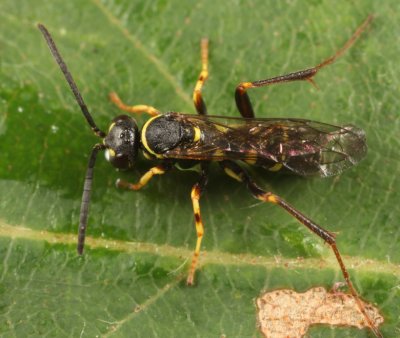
{"points": [[130, 281]]}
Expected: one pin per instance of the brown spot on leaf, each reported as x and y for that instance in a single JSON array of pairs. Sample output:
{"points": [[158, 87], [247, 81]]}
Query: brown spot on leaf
{"points": [[286, 313]]}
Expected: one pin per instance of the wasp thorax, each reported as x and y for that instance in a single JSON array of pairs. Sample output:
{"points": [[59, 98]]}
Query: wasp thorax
{"points": [[122, 142]]}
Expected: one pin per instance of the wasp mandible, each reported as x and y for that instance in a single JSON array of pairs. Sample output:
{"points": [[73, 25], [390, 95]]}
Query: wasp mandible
{"points": [[300, 146]]}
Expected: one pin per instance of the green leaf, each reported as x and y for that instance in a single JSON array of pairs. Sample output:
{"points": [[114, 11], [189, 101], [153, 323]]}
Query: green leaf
{"points": [[131, 280]]}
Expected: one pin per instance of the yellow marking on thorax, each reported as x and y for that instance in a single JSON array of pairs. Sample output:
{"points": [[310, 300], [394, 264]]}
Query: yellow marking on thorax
{"points": [[276, 167], [197, 134], [143, 136]]}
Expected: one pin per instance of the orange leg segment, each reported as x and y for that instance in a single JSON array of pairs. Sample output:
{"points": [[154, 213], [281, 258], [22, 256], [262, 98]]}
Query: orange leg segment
{"points": [[137, 109], [197, 97], [158, 170], [197, 190]]}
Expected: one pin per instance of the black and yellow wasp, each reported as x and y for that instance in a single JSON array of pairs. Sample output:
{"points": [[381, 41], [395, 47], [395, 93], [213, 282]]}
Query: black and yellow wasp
{"points": [[300, 146]]}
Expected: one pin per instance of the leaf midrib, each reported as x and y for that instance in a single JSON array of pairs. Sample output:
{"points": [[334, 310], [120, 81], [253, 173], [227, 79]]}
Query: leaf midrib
{"points": [[208, 257]]}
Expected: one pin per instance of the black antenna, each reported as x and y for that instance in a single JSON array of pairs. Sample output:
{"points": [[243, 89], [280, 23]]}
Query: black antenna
{"points": [[70, 80], [87, 188]]}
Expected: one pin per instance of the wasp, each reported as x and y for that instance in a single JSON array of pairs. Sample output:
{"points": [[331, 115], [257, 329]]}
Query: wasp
{"points": [[300, 146]]}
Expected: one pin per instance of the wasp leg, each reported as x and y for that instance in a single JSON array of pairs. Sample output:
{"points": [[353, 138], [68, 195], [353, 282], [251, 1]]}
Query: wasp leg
{"points": [[197, 190], [197, 97], [137, 109], [158, 170], [238, 173], [243, 102]]}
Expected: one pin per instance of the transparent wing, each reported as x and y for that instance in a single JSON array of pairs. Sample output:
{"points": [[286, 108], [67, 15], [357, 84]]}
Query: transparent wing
{"points": [[304, 147]]}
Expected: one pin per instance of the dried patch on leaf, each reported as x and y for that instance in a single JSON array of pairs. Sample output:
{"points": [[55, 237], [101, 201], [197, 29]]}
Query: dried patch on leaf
{"points": [[286, 313]]}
